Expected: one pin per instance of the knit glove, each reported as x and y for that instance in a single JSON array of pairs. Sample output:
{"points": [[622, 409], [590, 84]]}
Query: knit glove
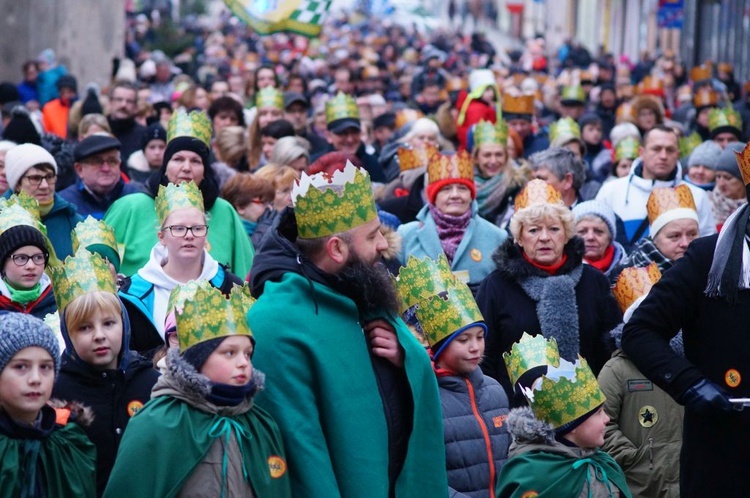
{"points": [[705, 397]]}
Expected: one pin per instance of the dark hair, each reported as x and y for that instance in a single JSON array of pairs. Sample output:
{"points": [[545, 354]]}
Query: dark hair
{"points": [[226, 104], [297, 76], [257, 71], [278, 129], [124, 84], [27, 64], [660, 127], [310, 248]]}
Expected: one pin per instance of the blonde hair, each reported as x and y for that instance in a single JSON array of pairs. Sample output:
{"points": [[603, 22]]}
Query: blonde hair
{"points": [[231, 144], [83, 307], [543, 213], [280, 176], [90, 120]]}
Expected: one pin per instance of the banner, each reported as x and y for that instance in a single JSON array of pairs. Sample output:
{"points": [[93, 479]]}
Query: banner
{"points": [[671, 14], [304, 17]]}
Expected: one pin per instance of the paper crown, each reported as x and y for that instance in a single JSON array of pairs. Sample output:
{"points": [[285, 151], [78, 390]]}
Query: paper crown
{"points": [[444, 167], [195, 124], [669, 204], [414, 157], [633, 283], [627, 148], [406, 116], [528, 353], [724, 119], [535, 193], [23, 200], [625, 113], [81, 273], [565, 128], [342, 106], [91, 232], [488, 133], [700, 73], [171, 197], [23, 209], [520, 104], [443, 315], [573, 93], [725, 67], [689, 143], [705, 96], [203, 313], [650, 85], [743, 161], [421, 279], [325, 205], [269, 97], [455, 84]]}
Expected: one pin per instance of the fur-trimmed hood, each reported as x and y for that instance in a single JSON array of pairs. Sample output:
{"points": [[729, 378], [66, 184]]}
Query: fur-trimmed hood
{"points": [[79, 413], [394, 242], [525, 428], [510, 261]]}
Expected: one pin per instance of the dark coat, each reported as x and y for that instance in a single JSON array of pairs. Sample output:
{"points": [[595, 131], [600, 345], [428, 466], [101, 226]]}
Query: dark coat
{"points": [[129, 133], [509, 311], [88, 204], [369, 162], [406, 208], [714, 458], [39, 308]]}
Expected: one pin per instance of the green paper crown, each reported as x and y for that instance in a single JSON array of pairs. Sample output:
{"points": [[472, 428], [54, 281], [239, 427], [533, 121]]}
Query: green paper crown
{"points": [[14, 212], [203, 313], [80, 274], [171, 197], [688, 143], [627, 148], [574, 92], [269, 97], [24, 200], [340, 107], [487, 133], [325, 205], [565, 127], [530, 352], [442, 315], [560, 402], [724, 118], [52, 320], [196, 125], [421, 279], [91, 232]]}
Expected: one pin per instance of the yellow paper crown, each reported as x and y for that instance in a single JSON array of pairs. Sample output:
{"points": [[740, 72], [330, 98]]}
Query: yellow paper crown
{"points": [[700, 73], [528, 353], [573, 94], [627, 148], [421, 279], [743, 161], [269, 97], [666, 199], [23, 200], [705, 96], [688, 143], [171, 197], [535, 193], [81, 273], [487, 133], [444, 167], [342, 106], [451, 311], [721, 119], [625, 113], [325, 205], [14, 212], [633, 283], [91, 232], [203, 313], [520, 104], [565, 128], [195, 124], [406, 116], [414, 157]]}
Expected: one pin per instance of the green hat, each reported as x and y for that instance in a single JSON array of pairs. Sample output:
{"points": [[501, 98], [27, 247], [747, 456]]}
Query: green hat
{"points": [[627, 148], [573, 95], [724, 120]]}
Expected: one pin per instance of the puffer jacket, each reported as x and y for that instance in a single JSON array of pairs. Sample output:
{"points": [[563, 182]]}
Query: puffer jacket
{"points": [[475, 410]]}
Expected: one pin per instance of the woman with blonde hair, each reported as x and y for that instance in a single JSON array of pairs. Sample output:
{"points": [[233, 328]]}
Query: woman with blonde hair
{"points": [[93, 123], [283, 178], [293, 152], [230, 150]]}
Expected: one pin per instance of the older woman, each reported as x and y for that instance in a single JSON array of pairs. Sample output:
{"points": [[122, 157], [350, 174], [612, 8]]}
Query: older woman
{"points": [[541, 286], [596, 224], [422, 132], [729, 193], [450, 222], [269, 103]]}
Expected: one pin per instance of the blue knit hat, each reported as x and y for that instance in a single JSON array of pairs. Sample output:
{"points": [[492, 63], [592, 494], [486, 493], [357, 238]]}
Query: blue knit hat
{"points": [[705, 154], [20, 331]]}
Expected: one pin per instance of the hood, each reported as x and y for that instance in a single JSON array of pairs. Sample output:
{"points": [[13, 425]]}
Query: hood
{"points": [[394, 242], [525, 428], [510, 261], [154, 272], [635, 177]]}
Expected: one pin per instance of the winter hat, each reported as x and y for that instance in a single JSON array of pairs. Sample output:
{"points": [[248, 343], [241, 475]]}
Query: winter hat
{"points": [[8, 93], [155, 131], [67, 81], [21, 129], [198, 354], [19, 331], [727, 161], [707, 154], [91, 104], [19, 236], [24, 157], [588, 119], [601, 210]]}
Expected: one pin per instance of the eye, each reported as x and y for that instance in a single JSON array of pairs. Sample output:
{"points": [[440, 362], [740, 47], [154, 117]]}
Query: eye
{"points": [[19, 366], [110, 323], [47, 366], [84, 328]]}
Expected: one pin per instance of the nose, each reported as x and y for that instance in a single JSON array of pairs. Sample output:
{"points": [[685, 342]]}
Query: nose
{"points": [[380, 243], [544, 234], [98, 333], [35, 375], [684, 241]]}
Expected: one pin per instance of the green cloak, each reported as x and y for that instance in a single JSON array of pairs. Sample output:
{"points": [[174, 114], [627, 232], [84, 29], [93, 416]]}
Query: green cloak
{"points": [[133, 218], [323, 393]]}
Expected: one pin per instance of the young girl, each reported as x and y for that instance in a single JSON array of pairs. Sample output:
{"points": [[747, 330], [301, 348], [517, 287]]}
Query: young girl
{"points": [[201, 422], [42, 454]]}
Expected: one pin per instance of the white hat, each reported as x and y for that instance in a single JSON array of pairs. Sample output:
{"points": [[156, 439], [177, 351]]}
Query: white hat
{"points": [[22, 158], [481, 78]]}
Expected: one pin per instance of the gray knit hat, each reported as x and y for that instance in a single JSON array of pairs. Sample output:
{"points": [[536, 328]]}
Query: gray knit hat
{"points": [[601, 210], [19, 331], [706, 154], [727, 161]]}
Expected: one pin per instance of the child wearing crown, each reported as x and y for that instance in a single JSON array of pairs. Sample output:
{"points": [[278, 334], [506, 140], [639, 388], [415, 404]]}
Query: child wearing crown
{"points": [[202, 420], [98, 368]]}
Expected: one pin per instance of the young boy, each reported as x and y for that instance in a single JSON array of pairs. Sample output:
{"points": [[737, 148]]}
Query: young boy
{"points": [[42, 454], [202, 433], [98, 368]]}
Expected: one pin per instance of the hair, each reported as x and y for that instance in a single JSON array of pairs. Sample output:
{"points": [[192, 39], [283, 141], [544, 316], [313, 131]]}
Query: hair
{"points": [[279, 175], [560, 161], [255, 77], [422, 125], [223, 104], [28, 64], [297, 76], [83, 307], [124, 84], [659, 127], [278, 129], [651, 103], [90, 120], [311, 248], [243, 187], [543, 212], [231, 144], [288, 149]]}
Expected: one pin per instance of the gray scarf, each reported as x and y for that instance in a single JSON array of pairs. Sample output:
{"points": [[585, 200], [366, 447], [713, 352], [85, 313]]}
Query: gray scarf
{"points": [[730, 269]]}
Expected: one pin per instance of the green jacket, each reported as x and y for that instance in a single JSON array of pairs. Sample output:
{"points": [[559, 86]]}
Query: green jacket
{"points": [[133, 218], [323, 393]]}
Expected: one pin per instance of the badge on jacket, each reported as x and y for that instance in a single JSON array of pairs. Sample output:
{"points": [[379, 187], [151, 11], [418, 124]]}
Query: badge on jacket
{"points": [[647, 416]]}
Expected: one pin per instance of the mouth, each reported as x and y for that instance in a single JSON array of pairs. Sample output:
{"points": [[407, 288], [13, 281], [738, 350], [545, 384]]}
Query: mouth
{"points": [[241, 378], [102, 351], [34, 395]]}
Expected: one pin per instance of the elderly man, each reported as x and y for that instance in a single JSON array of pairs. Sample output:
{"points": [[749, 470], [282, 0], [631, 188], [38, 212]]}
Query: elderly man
{"points": [[100, 183], [562, 169], [351, 389], [657, 166], [123, 104]]}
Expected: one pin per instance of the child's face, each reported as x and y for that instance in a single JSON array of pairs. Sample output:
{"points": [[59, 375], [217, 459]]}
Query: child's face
{"points": [[98, 340], [26, 384], [230, 362], [464, 352], [26, 275], [592, 134], [590, 434]]}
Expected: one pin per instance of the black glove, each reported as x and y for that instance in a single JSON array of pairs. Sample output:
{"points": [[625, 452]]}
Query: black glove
{"points": [[705, 397]]}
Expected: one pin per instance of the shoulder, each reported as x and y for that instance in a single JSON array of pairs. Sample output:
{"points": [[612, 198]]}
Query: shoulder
{"points": [[222, 208], [134, 202]]}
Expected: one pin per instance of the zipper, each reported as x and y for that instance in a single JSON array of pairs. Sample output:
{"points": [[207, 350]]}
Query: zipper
{"points": [[485, 433], [651, 453]]}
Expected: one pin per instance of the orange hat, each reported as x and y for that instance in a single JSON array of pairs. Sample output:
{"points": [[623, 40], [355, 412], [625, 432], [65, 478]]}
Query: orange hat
{"points": [[633, 283], [669, 204], [535, 193], [447, 169]]}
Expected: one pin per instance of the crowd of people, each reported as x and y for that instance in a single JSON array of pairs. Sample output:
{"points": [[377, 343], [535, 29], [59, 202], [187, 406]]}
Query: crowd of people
{"points": [[378, 263]]}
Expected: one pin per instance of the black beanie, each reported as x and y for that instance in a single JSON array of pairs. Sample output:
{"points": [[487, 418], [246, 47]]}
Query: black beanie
{"points": [[198, 354], [21, 130], [67, 81], [589, 118], [91, 104], [19, 236], [8, 93], [186, 143], [154, 131]]}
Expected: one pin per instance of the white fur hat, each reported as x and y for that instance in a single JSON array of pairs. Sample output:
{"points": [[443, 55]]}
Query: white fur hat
{"points": [[480, 78], [23, 157]]}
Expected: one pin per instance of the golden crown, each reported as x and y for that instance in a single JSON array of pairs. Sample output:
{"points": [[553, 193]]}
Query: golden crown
{"points": [[406, 116], [90, 232], [700, 73], [537, 192], [562, 129], [520, 104], [725, 117], [269, 97], [443, 167], [528, 353], [325, 205], [627, 148], [625, 113], [487, 133], [573, 93], [81, 273], [666, 199], [203, 313], [171, 197], [688, 143], [195, 124], [421, 279], [650, 85], [705, 96], [414, 157], [342, 106], [443, 315], [743, 161], [633, 283]]}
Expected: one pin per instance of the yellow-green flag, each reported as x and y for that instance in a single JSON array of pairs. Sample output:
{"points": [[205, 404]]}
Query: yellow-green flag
{"points": [[304, 17]]}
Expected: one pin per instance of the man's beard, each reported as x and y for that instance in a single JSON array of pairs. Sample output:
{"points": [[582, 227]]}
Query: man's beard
{"points": [[369, 286]]}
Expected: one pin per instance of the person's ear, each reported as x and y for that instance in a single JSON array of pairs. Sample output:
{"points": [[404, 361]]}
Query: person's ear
{"points": [[78, 167], [337, 250], [567, 181]]}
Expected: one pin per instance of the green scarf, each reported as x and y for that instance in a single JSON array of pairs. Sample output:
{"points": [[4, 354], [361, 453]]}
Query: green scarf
{"points": [[486, 187], [249, 226], [24, 296]]}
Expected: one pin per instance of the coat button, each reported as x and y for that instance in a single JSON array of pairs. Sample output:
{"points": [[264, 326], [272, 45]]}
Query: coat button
{"points": [[667, 376], [118, 431]]}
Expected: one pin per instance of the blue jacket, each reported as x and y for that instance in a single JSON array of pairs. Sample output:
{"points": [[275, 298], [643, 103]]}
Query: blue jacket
{"points": [[474, 253], [88, 204]]}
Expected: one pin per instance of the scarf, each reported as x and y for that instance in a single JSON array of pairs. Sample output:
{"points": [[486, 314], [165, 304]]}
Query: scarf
{"points": [[551, 269], [730, 269], [644, 253], [24, 296], [604, 263], [451, 230], [227, 395], [490, 192], [722, 207], [249, 226]]}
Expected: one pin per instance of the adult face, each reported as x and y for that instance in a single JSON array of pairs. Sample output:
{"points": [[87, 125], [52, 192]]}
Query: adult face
{"points": [[123, 103], [31, 73], [543, 241], [39, 182], [100, 173], [608, 99], [725, 138], [431, 95], [219, 89], [201, 99], [26, 384], [266, 145], [223, 119], [185, 165], [265, 78], [367, 242], [3, 179], [463, 354], [521, 126], [646, 119], [98, 339], [382, 134], [659, 155], [187, 247], [424, 138], [268, 115], [675, 237], [590, 434], [296, 114], [237, 84], [163, 72], [282, 197], [230, 363], [454, 199], [729, 185], [67, 94], [348, 141], [491, 160], [154, 153], [26, 275], [595, 235], [701, 174], [342, 80], [702, 117]]}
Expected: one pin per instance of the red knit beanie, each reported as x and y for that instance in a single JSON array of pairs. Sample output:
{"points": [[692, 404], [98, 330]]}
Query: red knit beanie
{"points": [[434, 188]]}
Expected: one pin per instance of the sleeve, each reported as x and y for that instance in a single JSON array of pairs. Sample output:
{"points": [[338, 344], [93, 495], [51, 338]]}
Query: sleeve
{"points": [[616, 443], [493, 353], [610, 317]]}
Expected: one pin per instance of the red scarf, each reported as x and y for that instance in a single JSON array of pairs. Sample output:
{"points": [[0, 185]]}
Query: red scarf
{"points": [[604, 263], [551, 269]]}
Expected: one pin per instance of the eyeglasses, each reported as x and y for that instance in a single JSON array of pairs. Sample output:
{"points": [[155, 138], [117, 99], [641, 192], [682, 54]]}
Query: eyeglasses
{"points": [[112, 162], [22, 259], [259, 202], [181, 231], [36, 180]]}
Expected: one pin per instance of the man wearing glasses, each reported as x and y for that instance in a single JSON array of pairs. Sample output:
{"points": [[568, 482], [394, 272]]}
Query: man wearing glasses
{"points": [[123, 105], [100, 182]]}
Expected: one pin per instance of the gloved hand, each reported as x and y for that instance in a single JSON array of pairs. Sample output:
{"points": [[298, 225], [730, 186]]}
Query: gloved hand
{"points": [[706, 398]]}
